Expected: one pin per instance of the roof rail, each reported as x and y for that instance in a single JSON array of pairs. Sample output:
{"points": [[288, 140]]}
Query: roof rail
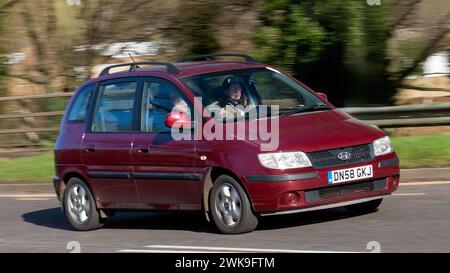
{"points": [[134, 66], [211, 56]]}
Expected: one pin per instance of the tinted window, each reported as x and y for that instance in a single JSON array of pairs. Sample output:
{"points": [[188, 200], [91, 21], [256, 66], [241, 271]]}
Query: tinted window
{"points": [[80, 106], [159, 99], [114, 109]]}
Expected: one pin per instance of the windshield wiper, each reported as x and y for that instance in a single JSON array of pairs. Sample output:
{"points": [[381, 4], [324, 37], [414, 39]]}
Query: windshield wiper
{"points": [[303, 108]]}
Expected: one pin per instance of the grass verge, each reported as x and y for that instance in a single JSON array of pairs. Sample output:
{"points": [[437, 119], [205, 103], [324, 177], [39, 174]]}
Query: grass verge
{"points": [[414, 152], [423, 151], [30, 169]]}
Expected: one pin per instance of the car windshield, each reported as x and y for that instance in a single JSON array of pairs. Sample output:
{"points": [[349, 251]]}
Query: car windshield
{"points": [[251, 88]]}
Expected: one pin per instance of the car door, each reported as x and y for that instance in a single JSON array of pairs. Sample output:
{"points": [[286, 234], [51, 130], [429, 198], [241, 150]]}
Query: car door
{"points": [[165, 170], [106, 146]]}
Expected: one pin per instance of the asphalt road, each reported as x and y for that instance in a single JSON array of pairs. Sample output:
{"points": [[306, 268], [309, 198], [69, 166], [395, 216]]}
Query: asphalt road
{"points": [[415, 219]]}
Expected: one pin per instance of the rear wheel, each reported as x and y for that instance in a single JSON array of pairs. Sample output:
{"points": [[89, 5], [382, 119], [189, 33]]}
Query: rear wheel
{"points": [[80, 207], [230, 207], [365, 207]]}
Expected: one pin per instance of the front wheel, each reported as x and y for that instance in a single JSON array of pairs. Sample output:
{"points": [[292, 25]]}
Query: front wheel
{"points": [[80, 207], [365, 207], [230, 207]]}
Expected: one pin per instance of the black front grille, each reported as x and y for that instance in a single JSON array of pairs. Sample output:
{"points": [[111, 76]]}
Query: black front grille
{"points": [[335, 192], [329, 158]]}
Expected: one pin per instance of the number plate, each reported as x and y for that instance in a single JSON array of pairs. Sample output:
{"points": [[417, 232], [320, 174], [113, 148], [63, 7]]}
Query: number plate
{"points": [[350, 174]]}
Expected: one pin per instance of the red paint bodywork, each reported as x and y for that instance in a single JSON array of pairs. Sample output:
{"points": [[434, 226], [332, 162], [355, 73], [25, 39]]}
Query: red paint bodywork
{"points": [[77, 152]]}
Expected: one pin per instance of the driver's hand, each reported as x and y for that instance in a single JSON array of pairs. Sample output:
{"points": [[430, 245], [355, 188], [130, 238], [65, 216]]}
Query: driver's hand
{"points": [[223, 112]]}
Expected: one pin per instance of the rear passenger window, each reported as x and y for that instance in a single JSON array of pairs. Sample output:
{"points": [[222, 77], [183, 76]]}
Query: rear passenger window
{"points": [[114, 109], [79, 108]]}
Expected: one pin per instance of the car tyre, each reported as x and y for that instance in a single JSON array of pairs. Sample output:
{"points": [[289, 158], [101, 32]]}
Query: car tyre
{"points": [[80, 206], [230, 207]]}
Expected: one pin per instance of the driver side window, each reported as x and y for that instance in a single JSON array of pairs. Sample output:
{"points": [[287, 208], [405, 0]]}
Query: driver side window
{"points": [[274, 91]]}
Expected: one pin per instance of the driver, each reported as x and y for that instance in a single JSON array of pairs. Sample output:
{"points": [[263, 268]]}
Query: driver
{"points": [[234, 101]]}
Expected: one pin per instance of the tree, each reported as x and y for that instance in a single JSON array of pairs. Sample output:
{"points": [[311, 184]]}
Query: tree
{"points": [[339, 46], [4, 8], [402, 13], [319, 42], [64, 37]]}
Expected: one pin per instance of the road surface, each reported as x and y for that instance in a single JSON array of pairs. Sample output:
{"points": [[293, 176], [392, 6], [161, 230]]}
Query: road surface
{"points": [[415, 219]]}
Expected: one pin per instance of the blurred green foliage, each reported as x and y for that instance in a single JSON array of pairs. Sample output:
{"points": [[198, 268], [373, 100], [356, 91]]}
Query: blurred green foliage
{"points": [[336, 46], [345, 48]]}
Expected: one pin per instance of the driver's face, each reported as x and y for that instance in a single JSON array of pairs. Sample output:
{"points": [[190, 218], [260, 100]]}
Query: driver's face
{"points": [[235, 91]]}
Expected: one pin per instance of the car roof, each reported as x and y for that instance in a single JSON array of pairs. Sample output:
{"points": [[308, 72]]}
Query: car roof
{"points": [[196, 68], [185, 67]]}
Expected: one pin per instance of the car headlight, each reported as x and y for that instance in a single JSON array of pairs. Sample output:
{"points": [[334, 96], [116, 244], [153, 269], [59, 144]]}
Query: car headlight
{"points": [[283, 161], [382, 146]]}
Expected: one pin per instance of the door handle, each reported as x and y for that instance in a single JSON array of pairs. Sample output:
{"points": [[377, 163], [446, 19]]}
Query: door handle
{"points": [[142, 150], [89, 149]]}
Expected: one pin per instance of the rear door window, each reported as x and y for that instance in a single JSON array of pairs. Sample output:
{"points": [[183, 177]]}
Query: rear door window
{"points": [[114, 111]]}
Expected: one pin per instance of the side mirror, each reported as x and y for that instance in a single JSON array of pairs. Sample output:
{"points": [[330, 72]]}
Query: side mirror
{"points": [[178, 119], [323, 96]]}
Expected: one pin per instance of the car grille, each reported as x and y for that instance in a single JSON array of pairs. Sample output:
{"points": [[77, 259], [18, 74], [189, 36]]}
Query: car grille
{"points": [[329, 158], [335, 192]]}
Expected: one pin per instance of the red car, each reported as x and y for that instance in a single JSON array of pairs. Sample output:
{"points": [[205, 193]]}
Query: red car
{"points": [[118, 147]]}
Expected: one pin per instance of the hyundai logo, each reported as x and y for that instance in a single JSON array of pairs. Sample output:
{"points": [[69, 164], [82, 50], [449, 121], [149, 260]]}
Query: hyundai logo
{"points": [[344, 155]]}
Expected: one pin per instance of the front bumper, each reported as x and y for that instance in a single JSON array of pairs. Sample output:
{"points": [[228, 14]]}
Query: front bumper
{"points": [[296, 192], [325, 206]]}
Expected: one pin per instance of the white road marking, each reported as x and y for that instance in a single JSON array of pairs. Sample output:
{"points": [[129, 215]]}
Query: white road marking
{"points": [[160, 251], [32, 199], [235, 249], [409, 194], [31, 195], [424, 183]]}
